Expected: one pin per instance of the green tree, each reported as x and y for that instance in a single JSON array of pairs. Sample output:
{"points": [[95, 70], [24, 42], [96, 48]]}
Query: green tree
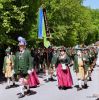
{"points": [[93, 34], [69, 21], [11, 20]]}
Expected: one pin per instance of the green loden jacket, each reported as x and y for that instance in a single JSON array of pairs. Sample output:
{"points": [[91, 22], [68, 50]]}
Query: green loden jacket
{"points": [[23, 62]]}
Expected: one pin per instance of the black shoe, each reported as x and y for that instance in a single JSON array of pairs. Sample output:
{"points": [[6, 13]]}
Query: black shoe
{"points": [[64, 88], [89, 79], [85, 86], [18, 93], [21, 95], [29, 92], [60, 88], [52, 79], [14, 85], [46, 80], [78, 89], [7, 87], [33, 86], [97, 99]]}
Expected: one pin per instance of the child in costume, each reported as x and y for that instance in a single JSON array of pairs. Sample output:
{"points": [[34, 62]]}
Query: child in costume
{"points": [[8, 68]]}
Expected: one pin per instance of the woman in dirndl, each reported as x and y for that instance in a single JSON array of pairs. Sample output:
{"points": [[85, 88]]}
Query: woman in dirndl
{"points": [[63, 72]]}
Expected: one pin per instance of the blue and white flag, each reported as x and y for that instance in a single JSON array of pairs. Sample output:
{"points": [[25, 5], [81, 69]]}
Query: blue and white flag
{"points": [[40, 23]]}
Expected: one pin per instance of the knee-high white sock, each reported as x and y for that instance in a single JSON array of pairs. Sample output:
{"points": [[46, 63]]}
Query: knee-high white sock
{"points": [[21, 89], [13, 80], [85, 81], [80, 83], [54, 71], [89, 74], [8, 81], [47, 76]]}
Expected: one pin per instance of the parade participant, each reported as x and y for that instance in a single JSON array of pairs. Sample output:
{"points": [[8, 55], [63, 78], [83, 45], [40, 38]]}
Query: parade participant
{"points": [[53, 64], [79, 68], [8, 68], [87, 69], [37, 60], [50, 68], [97, 60], [70, 53], [53, 61], [23, 63], [63, 72], [47, 65], [92, 55], [41, 65]]}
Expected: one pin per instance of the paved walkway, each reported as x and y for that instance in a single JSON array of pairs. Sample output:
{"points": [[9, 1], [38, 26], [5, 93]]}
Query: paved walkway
{"points": [[49, 91]]}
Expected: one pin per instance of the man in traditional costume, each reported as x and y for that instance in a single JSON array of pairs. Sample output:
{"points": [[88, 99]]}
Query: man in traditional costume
{"points": [[23, 65], [92, 55], [79, 69], [87, 69], [53, 66]]}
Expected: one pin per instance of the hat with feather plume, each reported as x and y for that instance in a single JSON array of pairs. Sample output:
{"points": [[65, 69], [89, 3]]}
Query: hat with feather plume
{"points": [[22, 41]]}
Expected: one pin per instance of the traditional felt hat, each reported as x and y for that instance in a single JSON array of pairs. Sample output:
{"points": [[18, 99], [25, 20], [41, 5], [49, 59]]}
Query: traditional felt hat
{"points": [[8, 50], [22, 41], [62, 49]]}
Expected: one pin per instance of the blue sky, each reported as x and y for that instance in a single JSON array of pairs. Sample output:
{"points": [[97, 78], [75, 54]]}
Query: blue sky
{"points": [[94, 4]]}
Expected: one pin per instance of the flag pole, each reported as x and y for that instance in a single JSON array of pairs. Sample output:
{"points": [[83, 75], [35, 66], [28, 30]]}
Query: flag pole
{"points": [[44, 36], [45, 42]]}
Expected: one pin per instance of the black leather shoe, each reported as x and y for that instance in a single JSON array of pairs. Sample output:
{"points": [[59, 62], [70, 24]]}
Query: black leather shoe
{"points": [[29, 92], [89, 79], [85, 86], [18, 93], [21, 96], [52, 79], [7, 87], [60, 88], [14, 85], [64, 88], [46, 80], [78, 89]]}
